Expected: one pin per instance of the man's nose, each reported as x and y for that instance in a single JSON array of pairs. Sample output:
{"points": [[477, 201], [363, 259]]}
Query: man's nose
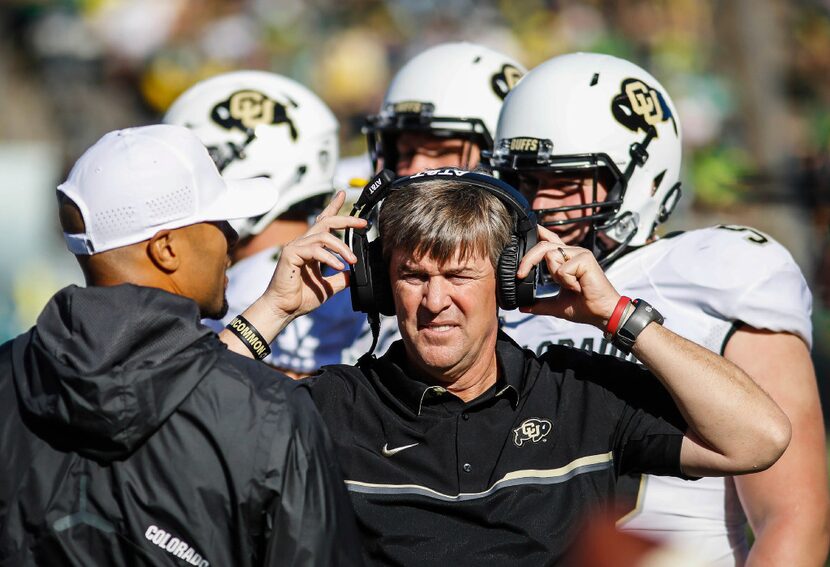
{"points": [[437, 295]]}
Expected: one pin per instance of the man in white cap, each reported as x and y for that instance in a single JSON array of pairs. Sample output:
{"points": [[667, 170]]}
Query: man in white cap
{"points": [[130, 434]]}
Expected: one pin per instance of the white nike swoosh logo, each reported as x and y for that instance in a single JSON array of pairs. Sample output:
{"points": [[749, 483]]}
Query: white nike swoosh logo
{"points": [[387, 452]]}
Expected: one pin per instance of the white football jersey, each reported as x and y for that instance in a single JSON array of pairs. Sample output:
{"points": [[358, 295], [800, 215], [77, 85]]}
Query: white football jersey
{"points": [[705, 283], [324, 336]]}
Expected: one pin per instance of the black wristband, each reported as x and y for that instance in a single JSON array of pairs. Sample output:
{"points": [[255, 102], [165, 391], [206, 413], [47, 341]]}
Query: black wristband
{"points": [[248, 334], [628, 332]]}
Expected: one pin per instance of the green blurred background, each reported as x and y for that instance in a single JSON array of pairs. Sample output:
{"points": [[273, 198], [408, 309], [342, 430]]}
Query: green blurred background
{"points": [[749, 78]]}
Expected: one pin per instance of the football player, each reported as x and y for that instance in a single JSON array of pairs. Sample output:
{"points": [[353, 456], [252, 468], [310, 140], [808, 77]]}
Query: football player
{"points": [[441, 109], [594, 142], [259, 124]]}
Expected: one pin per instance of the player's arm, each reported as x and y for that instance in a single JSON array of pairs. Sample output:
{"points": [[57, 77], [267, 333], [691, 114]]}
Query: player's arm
{"points": [[734, 426], [298, 285], [788, 505]]}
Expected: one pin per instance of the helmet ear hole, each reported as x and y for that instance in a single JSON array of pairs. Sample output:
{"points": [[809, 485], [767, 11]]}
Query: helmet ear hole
{"points": [[669, 203]]}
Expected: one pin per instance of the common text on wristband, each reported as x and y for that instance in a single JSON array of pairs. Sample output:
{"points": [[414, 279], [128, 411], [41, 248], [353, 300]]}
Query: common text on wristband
{"points": [[249, 335]]}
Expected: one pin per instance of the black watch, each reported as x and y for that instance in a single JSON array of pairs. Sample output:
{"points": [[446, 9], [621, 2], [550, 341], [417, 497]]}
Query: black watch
{"points": [[628, 332]]}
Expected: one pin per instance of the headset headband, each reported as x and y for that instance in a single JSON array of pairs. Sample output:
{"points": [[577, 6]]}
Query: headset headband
{"points": [[384, 182]]}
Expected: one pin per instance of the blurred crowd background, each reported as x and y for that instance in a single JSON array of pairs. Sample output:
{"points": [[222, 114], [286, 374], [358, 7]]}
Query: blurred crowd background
{"points": [[750, 78]]}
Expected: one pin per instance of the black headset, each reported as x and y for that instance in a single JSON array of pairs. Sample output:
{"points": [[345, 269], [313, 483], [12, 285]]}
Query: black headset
{"points": [[369, 283]]}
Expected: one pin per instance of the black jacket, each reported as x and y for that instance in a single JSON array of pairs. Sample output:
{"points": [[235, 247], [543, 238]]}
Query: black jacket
{"points": [[130, 435]]}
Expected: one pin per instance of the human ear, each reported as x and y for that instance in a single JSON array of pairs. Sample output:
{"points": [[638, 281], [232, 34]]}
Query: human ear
{"points": [[162, 249]]}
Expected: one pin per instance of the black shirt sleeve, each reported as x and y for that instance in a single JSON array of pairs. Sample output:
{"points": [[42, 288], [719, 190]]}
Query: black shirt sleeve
{"points": [[648, 428], [312, 522]]}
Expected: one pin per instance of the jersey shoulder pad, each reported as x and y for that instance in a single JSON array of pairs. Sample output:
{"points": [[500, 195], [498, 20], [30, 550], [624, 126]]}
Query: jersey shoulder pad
{"points": [[725, 256], [739, 273]]}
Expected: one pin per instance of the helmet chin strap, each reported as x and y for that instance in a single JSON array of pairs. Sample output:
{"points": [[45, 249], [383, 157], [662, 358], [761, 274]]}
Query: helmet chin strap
{"points": [[639, 155], [601, 247]]}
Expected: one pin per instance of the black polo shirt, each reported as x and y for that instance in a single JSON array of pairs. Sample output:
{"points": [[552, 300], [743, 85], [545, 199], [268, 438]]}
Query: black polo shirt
{"points": [[504, 478]]}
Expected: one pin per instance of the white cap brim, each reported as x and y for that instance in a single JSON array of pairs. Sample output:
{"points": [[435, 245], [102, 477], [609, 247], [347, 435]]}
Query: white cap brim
{"points": [[244, 198]]}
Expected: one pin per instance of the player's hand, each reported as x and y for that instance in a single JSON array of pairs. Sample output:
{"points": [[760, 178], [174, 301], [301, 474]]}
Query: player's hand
{"points": [[298, 286], [586, 297]]}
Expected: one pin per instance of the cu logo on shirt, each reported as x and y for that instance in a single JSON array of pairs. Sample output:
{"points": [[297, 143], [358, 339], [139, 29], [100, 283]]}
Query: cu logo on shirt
{"points": [[533, 429]]}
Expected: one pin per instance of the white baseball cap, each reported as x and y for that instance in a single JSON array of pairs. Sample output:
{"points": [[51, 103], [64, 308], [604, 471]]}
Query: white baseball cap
{"points": [[135, 182]]}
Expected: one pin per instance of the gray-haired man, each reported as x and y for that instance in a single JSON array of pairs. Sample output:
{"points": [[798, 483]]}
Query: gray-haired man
{"points": [[460, 447]]}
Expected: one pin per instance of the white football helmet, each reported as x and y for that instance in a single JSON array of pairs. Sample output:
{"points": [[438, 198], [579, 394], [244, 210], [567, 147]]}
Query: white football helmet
{"points": [[256, 124], [587, 111], [451, 90]]}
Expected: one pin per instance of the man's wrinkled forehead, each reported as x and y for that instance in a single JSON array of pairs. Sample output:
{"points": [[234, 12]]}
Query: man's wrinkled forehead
{"points": [[467, 260]]}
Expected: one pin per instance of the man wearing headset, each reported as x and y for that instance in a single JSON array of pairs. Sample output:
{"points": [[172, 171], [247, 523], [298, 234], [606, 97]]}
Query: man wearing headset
{"points": [[440, 110], [457, 445]]}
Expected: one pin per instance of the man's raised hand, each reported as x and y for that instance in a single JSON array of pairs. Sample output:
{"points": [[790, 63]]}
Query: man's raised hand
{"points": [[586, 297], [298, 285]]}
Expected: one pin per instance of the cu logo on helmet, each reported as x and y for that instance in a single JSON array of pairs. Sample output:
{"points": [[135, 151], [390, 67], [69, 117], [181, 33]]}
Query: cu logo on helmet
{"points": [[504, 81], [644, 101], [638, 106], [533, 429], [248, 109]]}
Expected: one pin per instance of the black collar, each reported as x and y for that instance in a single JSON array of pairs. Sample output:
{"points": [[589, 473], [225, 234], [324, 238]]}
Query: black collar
{"points": [[393, 375]]}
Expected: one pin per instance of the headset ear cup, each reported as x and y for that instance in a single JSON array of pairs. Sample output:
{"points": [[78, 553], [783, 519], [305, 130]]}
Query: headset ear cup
{"points": [[381, 287], [360, 285], [506, 291]]}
